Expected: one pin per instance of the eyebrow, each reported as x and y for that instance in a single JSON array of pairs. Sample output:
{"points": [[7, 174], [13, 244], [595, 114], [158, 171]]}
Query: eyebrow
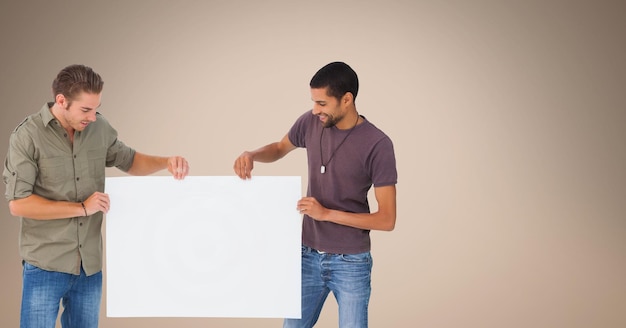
{"points": [[89, 108]]}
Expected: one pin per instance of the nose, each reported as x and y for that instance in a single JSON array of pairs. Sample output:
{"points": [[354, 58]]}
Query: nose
{"points": [[92, 116], [315, 110]]}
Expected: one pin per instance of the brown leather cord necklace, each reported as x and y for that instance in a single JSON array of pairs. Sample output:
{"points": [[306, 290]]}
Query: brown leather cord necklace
{"points": [[323, 167]]}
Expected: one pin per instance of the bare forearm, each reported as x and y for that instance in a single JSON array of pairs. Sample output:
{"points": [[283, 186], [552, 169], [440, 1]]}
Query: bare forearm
{"points": [[267, 154], [39, 208], [146, 164], [366, 221], [384, 219]]}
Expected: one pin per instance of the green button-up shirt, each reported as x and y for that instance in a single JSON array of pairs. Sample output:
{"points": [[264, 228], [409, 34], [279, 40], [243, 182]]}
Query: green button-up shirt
{"points": [[42, 160]]}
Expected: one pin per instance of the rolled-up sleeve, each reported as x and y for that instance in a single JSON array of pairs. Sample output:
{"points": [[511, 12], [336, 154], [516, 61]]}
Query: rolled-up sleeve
{"points": [[10, 181], [120, 156], [20, 169]]}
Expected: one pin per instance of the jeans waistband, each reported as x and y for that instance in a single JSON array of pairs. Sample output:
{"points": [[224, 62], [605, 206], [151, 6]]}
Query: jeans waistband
{"points": [[313, 250]]}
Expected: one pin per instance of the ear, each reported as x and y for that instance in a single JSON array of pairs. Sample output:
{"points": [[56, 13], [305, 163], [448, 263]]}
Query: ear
{"points": [[347, 99], [61, 100]]}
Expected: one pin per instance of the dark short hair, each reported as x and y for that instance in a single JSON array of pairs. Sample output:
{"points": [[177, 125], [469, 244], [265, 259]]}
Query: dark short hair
{"points": [[74, 79], [338, 77]]}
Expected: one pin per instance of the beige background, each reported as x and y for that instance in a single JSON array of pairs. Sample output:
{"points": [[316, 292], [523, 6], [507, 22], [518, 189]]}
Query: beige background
{"points": [[508, 118]]}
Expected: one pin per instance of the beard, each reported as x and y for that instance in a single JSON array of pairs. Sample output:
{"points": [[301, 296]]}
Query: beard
{"points": [[331, 121], [76, 124]]}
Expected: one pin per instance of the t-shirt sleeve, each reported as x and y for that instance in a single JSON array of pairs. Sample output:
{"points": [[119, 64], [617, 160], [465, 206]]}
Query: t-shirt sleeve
{"points": [[383, 164], [297, 133]]}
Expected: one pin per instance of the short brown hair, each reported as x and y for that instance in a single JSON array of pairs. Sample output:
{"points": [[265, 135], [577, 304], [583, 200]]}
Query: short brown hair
{"points": [[75, 79]]}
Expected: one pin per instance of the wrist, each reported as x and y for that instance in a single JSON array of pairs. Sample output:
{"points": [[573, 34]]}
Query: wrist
{"points": [[326, 214], [84, 208]]}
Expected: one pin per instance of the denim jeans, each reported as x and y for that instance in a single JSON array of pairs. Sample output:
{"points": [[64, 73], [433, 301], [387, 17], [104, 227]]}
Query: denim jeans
{"points": [[43, 291], [347, 276]]}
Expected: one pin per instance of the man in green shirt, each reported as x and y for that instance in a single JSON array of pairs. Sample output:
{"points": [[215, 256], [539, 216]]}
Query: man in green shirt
{"points": [[54, 174]]}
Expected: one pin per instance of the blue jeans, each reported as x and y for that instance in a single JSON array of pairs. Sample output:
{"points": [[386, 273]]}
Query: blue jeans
{"points": [[43, 291], [348, 276]]}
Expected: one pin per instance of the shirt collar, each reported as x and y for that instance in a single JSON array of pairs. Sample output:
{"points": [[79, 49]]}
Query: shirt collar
{"points": [[46, 113]]}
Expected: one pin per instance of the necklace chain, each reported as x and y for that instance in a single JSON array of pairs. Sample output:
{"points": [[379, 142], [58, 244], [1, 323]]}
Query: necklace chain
{"points": [[323, 167]]}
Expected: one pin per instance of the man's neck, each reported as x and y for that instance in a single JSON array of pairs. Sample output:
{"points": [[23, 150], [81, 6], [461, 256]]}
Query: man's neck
{"points": [[350, 121], [57, 112]]}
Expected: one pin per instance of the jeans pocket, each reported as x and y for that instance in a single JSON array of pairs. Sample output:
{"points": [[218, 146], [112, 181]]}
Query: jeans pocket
{"points": [[29, 268], [357, 258]]}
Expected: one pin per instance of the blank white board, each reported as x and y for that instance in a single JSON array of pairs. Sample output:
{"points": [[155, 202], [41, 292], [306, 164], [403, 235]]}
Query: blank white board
{"points": [[205, 246]]}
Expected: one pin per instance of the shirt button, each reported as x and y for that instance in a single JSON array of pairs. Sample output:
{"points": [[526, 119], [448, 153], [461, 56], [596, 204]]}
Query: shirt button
{"points": [[80, 246], [80, 224]]}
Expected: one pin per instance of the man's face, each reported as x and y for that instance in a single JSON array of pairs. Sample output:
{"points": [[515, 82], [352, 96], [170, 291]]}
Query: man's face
{"points": [[80, 111], [327, 108]]}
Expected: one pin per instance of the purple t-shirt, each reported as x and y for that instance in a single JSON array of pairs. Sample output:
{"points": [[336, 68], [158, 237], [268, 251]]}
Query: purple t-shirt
{"points": [[364, 159]]}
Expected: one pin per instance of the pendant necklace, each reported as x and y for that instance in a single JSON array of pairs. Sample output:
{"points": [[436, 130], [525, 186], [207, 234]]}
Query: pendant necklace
{"points": [[323, 167]]}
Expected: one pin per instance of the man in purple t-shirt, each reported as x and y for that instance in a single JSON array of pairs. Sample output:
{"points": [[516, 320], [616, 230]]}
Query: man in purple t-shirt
{"points": [[347, 155]]}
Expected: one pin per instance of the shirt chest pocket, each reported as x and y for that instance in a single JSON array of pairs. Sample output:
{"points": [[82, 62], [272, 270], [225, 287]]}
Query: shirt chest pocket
{"points": [[96, 161], [55, 170]]}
